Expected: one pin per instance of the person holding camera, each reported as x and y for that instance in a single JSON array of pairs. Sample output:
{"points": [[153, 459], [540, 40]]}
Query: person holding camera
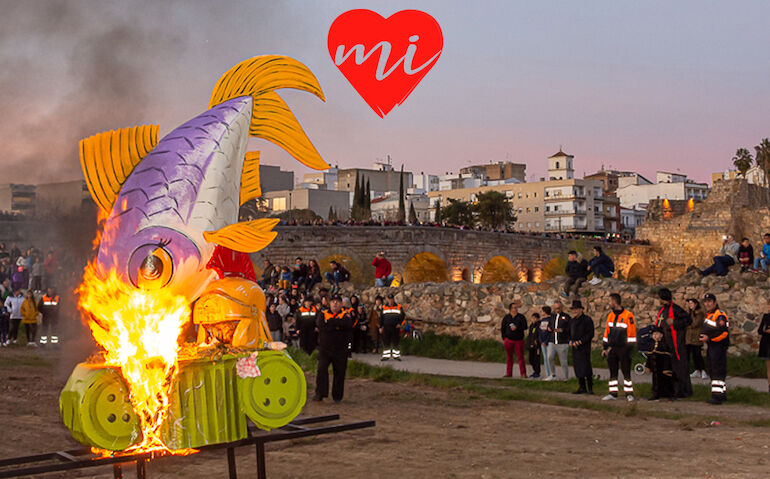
{"points": [[382, 271], [728, 256]]}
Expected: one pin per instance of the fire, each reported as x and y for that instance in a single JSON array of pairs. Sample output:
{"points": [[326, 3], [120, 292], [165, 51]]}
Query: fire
{"points": [[138, 330]]}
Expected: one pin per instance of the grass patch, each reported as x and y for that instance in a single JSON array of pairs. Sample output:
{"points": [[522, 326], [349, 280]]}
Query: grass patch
{"points": [[541, 392], [445, 346]]}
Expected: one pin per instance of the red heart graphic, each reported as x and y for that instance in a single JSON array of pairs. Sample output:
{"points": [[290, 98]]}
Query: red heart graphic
{"points": [[385, 58]]}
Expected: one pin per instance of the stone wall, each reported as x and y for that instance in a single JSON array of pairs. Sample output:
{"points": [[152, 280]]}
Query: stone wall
{"points": [[460, 253], [475, 311], [694, 238]]}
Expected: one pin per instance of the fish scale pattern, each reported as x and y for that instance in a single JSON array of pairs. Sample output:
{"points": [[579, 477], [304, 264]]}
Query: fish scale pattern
{"points": [[167, 187]]}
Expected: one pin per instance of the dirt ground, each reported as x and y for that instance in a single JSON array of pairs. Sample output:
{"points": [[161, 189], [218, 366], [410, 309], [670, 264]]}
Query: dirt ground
{"points": [[423, 432]]}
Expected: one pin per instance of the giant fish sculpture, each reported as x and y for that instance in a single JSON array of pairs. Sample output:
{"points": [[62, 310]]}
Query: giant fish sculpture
{"points": [[167, 205]]}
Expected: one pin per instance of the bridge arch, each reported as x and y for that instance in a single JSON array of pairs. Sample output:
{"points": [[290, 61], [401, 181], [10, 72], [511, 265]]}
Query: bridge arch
{"points": [[499, 269], [553, 267], [637, 272], [425, 267]]}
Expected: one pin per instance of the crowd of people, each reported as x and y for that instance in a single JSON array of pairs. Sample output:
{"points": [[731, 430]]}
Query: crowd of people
{"points": [[28, 296], [676, 335], [740, 254], [539, 234]]}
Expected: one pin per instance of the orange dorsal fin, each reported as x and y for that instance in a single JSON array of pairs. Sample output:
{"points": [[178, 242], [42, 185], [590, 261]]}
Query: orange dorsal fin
{"points": [[250, 188], [108, 158]]}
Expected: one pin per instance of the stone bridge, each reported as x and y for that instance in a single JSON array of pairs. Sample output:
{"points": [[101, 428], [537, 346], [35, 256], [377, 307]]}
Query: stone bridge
{"points": [[422, 253]]}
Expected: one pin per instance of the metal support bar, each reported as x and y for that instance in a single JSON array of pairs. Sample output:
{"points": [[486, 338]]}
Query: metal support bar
{"points": [[261, 469], [83, 458], [141, 468], [231, 467]]}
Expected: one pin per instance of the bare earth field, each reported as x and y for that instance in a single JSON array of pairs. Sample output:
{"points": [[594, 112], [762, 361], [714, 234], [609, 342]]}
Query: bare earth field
{"points": [[426, 432]]}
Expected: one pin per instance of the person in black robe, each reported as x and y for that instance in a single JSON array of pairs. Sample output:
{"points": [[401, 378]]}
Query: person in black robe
{"points": [[659, 364], [672, 322], [581, 334]]}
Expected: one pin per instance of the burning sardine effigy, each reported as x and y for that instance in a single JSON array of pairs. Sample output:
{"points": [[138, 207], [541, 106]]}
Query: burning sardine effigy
{"points": [[166, 207]]}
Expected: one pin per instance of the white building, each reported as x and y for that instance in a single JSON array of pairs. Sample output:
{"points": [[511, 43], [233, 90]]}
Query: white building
{"points": [[636, 192], [425, 183], [631, 218], [385, 208]]}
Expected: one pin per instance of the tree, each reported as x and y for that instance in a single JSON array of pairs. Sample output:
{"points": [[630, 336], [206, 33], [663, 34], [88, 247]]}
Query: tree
{"points": [[742, 161], [762, 158], [437, 214], [401, 205], [368, 198], [458, 212], [331, 213], [412, 214], [494, 210]]}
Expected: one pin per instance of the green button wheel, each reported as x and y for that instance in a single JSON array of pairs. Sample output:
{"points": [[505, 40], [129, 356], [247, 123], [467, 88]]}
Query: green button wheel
{"points": [[277, 396], [95, 400]]}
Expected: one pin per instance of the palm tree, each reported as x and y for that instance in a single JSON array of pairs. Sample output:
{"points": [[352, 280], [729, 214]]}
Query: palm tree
{"points": [[762, 158], [742, 161]]}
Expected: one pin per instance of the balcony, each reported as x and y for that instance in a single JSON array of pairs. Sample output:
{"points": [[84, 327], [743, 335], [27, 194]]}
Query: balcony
{"points": [[577, 212], [574, 196]]}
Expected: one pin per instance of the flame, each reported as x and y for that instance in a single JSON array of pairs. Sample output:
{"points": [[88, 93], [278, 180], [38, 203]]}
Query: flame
{"points": [[138, 330]]}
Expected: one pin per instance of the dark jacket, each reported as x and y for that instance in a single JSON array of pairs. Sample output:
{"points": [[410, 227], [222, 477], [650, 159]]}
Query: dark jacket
{"points": [[533, 336], [602, 259], [521, 327], [681, 321], [577, 269], [544, 336], [693, 330], [334, 332], [746, 255], [274, 321], [559, 321], [582, 329]]}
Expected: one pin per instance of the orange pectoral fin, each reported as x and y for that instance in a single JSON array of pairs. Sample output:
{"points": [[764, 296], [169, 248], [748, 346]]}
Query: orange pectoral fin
{"points": [[246, 237]]}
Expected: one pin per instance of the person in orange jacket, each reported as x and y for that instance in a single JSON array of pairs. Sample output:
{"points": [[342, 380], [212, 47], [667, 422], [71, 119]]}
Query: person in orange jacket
{"points": [[618, 343], [716, 334]]}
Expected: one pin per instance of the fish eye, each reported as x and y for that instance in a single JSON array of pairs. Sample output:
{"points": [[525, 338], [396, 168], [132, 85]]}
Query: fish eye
{"points": [[152, 267]]}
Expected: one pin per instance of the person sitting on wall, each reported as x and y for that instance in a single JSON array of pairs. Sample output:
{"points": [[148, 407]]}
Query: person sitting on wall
{"points": [[600, 265], [577, 272], [745, 255], [728, 256], [764, 255], [382, 271], [338, 274]]}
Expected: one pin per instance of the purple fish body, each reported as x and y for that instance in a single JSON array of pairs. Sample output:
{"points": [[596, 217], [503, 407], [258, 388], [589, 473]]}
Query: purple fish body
{"points": [[189, 183]]}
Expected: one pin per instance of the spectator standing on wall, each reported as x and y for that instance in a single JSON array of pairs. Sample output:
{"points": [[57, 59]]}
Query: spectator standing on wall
{"points": [[532, 344], [382, 271], [577, 272], [600, 265], [512, 330], [728, 256], [694, 344], [762, 260]]}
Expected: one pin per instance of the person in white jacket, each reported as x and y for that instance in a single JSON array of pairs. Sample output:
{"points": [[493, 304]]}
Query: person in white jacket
{"points": [[13, 306]]}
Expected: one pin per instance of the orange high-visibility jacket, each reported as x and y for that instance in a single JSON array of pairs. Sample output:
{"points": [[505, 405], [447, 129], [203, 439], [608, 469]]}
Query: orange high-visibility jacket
{"points": [[620, 329], [716, 326]]}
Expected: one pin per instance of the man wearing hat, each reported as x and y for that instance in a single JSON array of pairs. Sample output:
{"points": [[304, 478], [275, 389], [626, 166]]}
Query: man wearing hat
{"points": [[671, 322], [716, 335], [581, 334], [392, 319], [334, 329]]}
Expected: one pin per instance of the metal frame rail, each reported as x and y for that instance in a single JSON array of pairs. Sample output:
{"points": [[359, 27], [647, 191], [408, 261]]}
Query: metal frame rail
{"points": [[83, 458]]}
